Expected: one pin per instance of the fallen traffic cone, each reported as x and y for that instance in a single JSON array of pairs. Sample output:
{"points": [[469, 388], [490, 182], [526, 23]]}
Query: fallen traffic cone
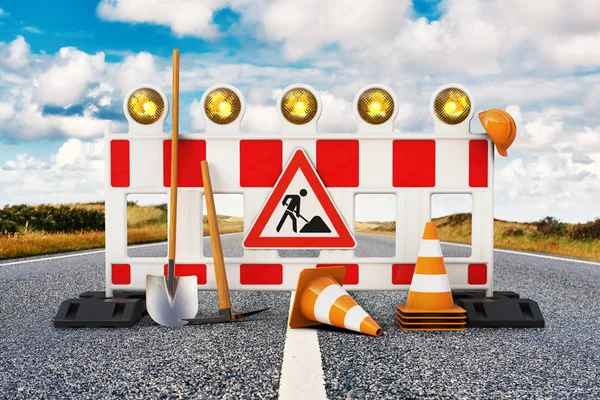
{"points": [[430, 305], [320, 299]]}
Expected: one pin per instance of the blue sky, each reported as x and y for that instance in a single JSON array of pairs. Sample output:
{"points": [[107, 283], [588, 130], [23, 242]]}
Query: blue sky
{"points": [[66, 64]]}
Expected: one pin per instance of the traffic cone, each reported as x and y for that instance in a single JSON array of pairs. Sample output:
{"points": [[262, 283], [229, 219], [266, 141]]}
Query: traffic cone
{"points": [[320, 299], [430, 305]]}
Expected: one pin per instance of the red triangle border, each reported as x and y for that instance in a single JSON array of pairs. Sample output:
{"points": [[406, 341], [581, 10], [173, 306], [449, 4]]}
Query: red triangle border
{"points": [[299, 161]]}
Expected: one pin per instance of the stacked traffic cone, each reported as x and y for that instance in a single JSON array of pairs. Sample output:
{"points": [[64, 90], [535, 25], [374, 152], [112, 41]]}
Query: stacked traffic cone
{"points": [[320, 299], [430, 305]]}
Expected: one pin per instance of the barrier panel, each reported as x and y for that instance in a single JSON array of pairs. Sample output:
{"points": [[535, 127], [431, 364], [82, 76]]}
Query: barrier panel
{"points": [[374, 160]]}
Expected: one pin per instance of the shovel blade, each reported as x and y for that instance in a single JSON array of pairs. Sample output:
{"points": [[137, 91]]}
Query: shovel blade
{"points": [[170, 309]]}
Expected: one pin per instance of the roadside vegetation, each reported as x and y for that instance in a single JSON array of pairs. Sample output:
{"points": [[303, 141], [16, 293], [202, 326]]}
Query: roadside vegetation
{"points": [[45, 229], [548, 235]]}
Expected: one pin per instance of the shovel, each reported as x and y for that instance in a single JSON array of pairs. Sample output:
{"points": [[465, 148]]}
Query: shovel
{"points": [[225, 312], [171, 299]]}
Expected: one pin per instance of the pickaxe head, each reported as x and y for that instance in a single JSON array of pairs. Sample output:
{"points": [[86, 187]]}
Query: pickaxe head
{"points": [[225, 315]]}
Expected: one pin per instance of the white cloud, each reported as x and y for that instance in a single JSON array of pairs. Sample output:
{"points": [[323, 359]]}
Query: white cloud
{"points": [[6, 110], [184, 17], [576, 51], [480, 37], [506, 53], [74, 174], [562, 179], [550, 185], [136, 70], [18, 52], [540, 134], [337, 115], [21, 162], [66, 82], [588, 140], [28, 121], [261, 119], [320, 23], [33, 29]]}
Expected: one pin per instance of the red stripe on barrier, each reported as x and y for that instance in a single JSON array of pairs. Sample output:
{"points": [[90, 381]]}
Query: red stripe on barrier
{"points": [[478, 163], [119, 163], [402, 274], [121, 274], [198, 270], [413, 163], [337, 162], [261, 274], [261, 162], [477, 274], [351, 277], [189, 155]]}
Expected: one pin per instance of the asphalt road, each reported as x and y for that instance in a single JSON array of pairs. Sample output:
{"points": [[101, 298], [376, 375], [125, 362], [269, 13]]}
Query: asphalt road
{"points": [[244, 360]]}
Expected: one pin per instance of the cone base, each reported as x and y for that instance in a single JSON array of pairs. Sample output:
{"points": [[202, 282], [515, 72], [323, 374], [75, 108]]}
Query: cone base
{"points": [[405, 310], [297, 319], [415, 316], [439, 321], [431, 327]]}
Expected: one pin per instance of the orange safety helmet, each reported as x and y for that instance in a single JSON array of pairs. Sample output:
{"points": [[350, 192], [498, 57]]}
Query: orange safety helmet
{"points": [[501, 127]]}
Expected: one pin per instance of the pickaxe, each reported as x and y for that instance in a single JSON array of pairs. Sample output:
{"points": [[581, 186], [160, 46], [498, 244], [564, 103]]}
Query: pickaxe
{"points": [[225, 312]]}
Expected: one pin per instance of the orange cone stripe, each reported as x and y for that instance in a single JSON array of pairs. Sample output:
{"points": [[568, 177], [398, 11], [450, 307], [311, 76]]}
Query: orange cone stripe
{"points": [[430, 266], [340, 308], [430, 231], [370, 327], [311, 294], [430, 301], [326, 301]]}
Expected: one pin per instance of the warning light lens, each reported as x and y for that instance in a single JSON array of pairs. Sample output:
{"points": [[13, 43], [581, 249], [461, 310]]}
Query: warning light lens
{"points": [[145, 106], [375, 106], [222, 106], [452, 106], [299, 106]]}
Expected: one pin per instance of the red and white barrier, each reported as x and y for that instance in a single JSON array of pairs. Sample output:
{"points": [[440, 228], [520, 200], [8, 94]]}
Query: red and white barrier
{"points": [[374, 160]]}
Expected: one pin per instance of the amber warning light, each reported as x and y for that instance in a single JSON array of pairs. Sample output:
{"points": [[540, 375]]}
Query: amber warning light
{"points": [[222, 106], [145, 106]]}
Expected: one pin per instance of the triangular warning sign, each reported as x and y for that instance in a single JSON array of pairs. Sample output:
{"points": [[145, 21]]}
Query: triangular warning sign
{"points": [[299, 213]]}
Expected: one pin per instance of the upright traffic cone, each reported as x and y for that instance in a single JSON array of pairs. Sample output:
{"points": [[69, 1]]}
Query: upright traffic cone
{"points": [[320, 299], [430, 305]]}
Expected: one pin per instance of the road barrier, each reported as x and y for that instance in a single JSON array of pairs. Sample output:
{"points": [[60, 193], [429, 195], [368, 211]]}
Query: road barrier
{"points": [[374, 160]]}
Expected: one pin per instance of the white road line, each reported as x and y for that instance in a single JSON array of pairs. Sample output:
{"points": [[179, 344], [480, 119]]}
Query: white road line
{"points": [[78, 254], [531, 254], [302, 369]]}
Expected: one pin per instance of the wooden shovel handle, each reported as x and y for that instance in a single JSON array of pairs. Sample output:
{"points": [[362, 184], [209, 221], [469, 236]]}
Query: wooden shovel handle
{"points": [[215, 239], [174, 148]]}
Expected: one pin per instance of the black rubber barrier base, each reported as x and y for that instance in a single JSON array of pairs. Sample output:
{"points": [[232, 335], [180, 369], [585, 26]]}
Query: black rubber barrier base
{"points": [[94, 310], [502, 310]]}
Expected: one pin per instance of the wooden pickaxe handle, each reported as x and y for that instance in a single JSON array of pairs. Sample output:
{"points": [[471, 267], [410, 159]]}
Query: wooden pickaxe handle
{"points": [[215, 239]]}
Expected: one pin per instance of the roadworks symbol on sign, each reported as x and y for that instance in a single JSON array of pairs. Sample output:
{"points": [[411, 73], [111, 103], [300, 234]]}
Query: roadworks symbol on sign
{"points": [[299, 213]]}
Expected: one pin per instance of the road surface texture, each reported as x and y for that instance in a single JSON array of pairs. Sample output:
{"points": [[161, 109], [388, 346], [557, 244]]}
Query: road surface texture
{"points": [[244, 360]]}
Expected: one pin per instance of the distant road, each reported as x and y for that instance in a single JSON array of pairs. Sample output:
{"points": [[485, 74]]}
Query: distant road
{"points": [[244, 359]]}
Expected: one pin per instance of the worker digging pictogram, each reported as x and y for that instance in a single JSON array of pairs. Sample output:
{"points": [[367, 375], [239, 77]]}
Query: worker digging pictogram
{"points": [[298, 195], [292, 204], [299, 189]]}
